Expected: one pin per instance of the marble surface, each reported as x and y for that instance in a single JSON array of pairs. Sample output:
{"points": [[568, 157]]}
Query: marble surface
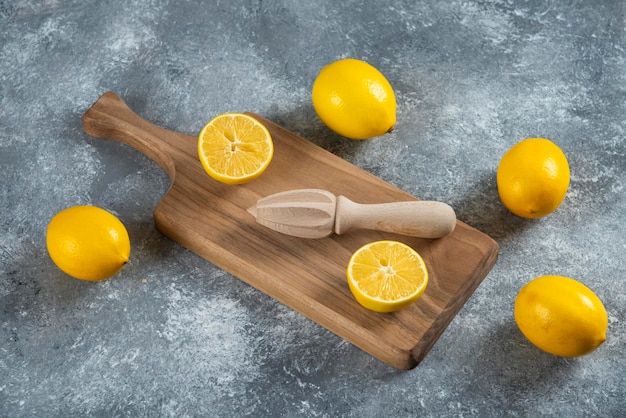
{"points": [[173, 335]]}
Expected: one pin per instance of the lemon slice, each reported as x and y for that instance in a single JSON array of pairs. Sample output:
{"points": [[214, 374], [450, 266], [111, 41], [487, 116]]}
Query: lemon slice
{"points": [[386, 276], [235, 148]]}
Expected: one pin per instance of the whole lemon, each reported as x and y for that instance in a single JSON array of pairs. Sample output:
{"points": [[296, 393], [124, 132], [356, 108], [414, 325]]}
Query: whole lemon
{"points": [[354, 99], [533, 177], [88, 243], [561, 316]]}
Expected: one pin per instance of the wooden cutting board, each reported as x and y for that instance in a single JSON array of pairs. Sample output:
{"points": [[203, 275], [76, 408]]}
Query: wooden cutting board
{"points": [[211, 219]]}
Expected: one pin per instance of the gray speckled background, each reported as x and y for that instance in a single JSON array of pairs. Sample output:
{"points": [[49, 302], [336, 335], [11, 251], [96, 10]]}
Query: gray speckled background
{"points": [[173, 335]]}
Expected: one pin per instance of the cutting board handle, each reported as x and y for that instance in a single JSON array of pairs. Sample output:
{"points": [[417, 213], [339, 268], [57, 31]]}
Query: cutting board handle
{"points": [[110, 118]]}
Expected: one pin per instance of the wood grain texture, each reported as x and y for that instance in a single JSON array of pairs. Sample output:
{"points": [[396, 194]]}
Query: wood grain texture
{"points": [[211, 219]]}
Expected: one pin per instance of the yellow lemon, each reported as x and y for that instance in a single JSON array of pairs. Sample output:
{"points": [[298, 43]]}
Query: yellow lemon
{"points": [[386, 276], [354, 99], [561, 316], [533, 177], [235, 148], [87, 243]]}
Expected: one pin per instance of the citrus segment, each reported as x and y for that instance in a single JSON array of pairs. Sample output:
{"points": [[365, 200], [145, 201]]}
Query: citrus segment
{"points": [[561, 316], [354, 99], [386, 276], [235, 148], [533, 177], [87, 243]]}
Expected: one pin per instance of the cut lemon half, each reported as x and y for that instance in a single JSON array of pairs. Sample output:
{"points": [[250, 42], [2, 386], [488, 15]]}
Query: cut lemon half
{"points": [[235, 148], [386, 276]]}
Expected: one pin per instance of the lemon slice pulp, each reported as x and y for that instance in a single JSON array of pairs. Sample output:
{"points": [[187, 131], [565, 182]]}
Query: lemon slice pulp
{"points": [[235, 148], [386, 276]]}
